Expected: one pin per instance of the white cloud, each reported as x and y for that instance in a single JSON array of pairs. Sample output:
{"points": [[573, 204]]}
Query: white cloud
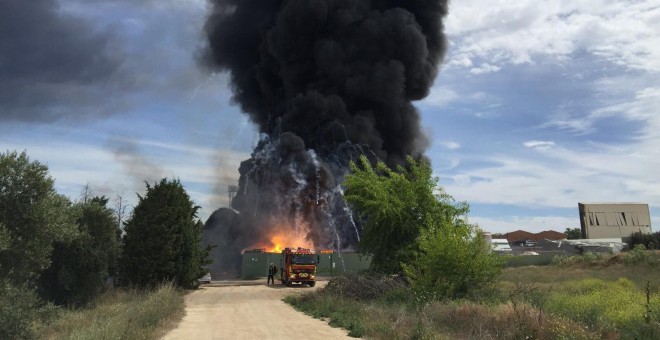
{"points": [[505, 32], [561, 176], [440, 96], [451, 145], [538, 144], [642, 108], [484, 68]]}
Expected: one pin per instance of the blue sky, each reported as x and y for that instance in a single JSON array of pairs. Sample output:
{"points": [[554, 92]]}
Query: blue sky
{"points": [[539, 105]]}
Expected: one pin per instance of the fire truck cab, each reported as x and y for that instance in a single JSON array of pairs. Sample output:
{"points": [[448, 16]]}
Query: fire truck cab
{"points": [[298, 265]]}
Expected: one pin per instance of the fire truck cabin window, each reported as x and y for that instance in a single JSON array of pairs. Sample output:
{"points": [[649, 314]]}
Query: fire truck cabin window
{"points": [[303, 259]]}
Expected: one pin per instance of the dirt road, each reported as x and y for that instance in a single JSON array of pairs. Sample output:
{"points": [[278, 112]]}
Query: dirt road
{"points": [[249, 312]]}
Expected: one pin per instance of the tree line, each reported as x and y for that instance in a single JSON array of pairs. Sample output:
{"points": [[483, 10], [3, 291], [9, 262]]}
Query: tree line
{"points": [[57, 252]]}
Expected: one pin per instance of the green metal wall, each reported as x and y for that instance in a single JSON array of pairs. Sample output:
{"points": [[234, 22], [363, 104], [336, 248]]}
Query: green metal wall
{"points": [[344, 262], [255, 264]]}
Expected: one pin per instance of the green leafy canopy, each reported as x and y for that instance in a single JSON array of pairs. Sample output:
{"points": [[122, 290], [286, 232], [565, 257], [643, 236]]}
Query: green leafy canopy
{"points": [[412, 226]]}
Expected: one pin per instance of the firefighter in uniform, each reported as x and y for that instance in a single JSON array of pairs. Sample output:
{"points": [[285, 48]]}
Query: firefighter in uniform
{"points": [[272, 270]]}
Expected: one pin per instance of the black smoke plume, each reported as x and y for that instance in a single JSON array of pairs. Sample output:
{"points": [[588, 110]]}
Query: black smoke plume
{"points": [[325, 82], [52, 64]]}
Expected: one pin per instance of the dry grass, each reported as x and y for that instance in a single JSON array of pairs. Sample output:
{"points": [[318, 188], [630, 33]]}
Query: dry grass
{"points": [[525, 303], [609, 268], [121, 314]]}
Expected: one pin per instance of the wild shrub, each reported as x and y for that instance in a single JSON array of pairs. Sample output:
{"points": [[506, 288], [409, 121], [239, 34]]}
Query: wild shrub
{"points": [[649, 241], [21, 311], [609, 306], [453, 260], [366, 286], [589, 258], [503, 321], [639, 255]]}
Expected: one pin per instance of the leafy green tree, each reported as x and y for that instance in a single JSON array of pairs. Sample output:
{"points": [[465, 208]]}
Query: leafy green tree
{"points": [[573, 233], [394, 207], [32, 217], [162, 240], [80, 267], [412, 226]]}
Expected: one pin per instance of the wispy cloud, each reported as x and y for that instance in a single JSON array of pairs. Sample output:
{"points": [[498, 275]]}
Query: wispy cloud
{"points": [[451, 145], [502, 32], [485, 68], [538, 144], [440, 96]]}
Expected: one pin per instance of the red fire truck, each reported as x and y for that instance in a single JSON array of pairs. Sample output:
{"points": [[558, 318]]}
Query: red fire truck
{"points": [[298, 266]]}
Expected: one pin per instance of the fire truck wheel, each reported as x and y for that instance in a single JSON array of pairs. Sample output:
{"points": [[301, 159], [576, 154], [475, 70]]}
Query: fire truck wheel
{"points": [[312, 283], [289, 283]]}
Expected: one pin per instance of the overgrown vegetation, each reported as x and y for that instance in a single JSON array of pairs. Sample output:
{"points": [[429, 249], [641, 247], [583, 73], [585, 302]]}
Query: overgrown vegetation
{"points": [[434, 276], [582, 300], [57, 253], [649, 241], [80, 266], [120, 314], [415, 229]]}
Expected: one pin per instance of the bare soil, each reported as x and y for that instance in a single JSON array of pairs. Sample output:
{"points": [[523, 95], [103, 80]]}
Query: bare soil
{"points": [[249, 310]]}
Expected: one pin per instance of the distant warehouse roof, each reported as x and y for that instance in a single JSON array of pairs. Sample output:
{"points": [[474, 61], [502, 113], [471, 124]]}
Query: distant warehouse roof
{"points": [[608, 220], [519, 235]]}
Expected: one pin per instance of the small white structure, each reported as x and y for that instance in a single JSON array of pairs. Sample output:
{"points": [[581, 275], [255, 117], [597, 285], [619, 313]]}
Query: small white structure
{"points": [[501, 246]]}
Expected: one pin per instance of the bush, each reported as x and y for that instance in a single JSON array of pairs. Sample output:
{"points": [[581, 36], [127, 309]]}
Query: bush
{"points": [[452, 261], [368, 286], [586, 258], [639, 255], [649, 241], [20, 311], [80, 267]]}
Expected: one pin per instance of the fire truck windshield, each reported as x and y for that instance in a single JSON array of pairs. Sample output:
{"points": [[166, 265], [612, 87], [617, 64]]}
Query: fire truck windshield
{"points": [[303, 259]]}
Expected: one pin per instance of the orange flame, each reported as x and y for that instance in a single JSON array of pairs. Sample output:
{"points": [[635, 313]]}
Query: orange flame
{"points": [[280, 241], [284, 235]]}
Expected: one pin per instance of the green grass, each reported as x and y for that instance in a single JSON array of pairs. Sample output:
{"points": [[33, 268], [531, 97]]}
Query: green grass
{"points": [[586, 298], [121, 314]]}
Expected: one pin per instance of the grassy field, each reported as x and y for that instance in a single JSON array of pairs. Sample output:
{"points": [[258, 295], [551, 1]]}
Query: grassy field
{"points": [[589, 297], [121, 314]]}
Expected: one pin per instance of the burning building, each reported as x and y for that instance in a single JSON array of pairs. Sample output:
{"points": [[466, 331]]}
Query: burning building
{"points": [[324, 82]]}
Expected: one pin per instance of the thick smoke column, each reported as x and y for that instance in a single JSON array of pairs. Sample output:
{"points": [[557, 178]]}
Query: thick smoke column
{"points": [[325, 82]]}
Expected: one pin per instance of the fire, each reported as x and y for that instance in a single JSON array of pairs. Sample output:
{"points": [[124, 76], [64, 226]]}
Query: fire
{"points": [[282, 236], [280, 241]]}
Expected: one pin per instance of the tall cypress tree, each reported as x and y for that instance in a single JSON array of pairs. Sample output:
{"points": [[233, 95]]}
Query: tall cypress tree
{"points": [[162, 241]]}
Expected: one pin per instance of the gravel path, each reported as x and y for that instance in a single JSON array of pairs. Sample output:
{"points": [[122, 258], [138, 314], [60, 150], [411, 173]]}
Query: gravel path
{"points": [[249, 311]]}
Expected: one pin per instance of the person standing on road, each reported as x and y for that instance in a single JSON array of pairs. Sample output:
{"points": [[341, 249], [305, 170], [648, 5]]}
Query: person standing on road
{"points": [[272, 270]]}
